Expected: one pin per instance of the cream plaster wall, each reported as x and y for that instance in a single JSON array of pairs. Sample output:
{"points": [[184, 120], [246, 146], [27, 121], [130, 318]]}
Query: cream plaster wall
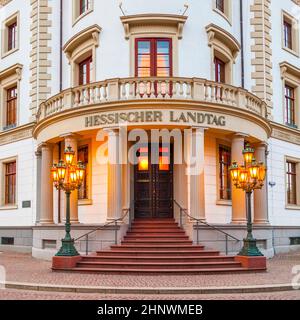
{"points": [[278, 214], [23, 151]]}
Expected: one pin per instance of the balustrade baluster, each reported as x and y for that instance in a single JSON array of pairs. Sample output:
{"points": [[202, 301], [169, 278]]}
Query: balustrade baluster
{"points": [[131, 90], [159, 88], [167, 85], [123, 91], [174, 89], [105, 92], [188, 90], [152, 89], [138, 89], [181, 91]]}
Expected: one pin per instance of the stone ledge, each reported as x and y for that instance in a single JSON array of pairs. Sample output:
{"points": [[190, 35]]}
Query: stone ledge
{"points": [[124, 290]]}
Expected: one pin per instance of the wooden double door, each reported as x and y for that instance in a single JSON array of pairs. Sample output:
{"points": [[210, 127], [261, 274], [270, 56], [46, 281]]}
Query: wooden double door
{"points": [[153, 186]]}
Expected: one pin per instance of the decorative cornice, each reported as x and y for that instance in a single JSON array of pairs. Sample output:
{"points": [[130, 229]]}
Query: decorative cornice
{"points": [[285, 133], [15, 69], [16, 134], [91, 32], [215, 32], [287, 68], [153, 19]]}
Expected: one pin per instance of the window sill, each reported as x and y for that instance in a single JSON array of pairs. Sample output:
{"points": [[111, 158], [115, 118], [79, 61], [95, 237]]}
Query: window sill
{"points": [[293, 52], [227, 203], [10, 127], [82, 16], [292, 207], [85, 202], [223, 15], [8, 53], [293, 126], [12, 207]]}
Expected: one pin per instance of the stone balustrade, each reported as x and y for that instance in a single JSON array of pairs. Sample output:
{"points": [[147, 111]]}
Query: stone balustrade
{"points": [[128, 89]]}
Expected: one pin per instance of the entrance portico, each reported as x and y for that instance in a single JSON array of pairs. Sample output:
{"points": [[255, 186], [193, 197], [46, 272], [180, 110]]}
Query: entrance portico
{"points": [[210, 129]]}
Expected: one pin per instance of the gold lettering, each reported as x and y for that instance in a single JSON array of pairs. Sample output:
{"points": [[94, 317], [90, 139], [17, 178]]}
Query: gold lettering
{"points": [[191, 116], [88, 122], [158, 116], [149, 116]]}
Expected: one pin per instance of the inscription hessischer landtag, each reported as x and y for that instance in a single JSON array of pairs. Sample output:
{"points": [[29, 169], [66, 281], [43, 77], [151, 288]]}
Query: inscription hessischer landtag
{"points": [[155, 117]]}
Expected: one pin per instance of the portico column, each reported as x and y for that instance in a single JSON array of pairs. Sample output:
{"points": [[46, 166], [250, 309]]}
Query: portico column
{"points": [[195, 173], [46, 204], [238, 195], [260, 196], [38, 155], [114, 196], [71, 140]]}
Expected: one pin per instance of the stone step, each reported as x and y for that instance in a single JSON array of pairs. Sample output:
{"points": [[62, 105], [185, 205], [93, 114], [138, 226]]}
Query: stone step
{"points": [[151, 247], [154, 258], [158, 253], [158, 265], [156, 236], [156, 271], [157, 242]]}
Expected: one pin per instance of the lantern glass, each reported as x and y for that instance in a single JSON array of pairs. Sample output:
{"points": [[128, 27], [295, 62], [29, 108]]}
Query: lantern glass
{"points": [[254, 171], [234, 171], [243, 176], [61, 170], [248, 154], [73, 176], [262, 172], [54, 173], [80, 171], [69, 155]]}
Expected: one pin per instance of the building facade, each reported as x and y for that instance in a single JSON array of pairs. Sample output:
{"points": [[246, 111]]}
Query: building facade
{"points": [[88, 74]]}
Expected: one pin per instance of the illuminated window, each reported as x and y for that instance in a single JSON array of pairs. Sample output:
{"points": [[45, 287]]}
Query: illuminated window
{"points": [[164, 159], [83, 156], [224, 173], [143, 159]]}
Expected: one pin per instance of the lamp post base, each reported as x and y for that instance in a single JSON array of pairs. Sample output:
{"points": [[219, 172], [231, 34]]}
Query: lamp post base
{"points": [[64, 263], [250, 249], [67, 249], [258, 263]]}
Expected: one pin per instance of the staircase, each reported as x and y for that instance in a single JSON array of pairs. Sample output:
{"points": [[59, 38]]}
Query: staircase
{"points": [[158, 246]]}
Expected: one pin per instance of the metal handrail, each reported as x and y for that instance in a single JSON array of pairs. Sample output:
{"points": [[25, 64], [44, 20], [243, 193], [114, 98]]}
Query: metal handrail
{"points": [[115, 222], [227, 235]]}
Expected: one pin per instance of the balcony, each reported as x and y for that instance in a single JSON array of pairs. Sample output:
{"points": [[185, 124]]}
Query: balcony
{"points": [[146, 89]]}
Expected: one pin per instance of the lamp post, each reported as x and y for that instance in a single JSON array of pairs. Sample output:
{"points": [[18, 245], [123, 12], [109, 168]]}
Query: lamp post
{"points": [[68, 176], [249, 177]]}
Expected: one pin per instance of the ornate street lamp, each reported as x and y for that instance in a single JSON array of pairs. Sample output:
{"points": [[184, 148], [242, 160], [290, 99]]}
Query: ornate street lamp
{"points": [[68, 176], [249, 177]]}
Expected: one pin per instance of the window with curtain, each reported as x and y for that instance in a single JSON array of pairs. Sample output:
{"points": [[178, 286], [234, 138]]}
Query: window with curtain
{"points": [[83, 156], [224, 173]]}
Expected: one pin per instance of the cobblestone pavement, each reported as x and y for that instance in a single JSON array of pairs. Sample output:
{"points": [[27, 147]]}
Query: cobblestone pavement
{"points": [[24, 268], [33, 295]]}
